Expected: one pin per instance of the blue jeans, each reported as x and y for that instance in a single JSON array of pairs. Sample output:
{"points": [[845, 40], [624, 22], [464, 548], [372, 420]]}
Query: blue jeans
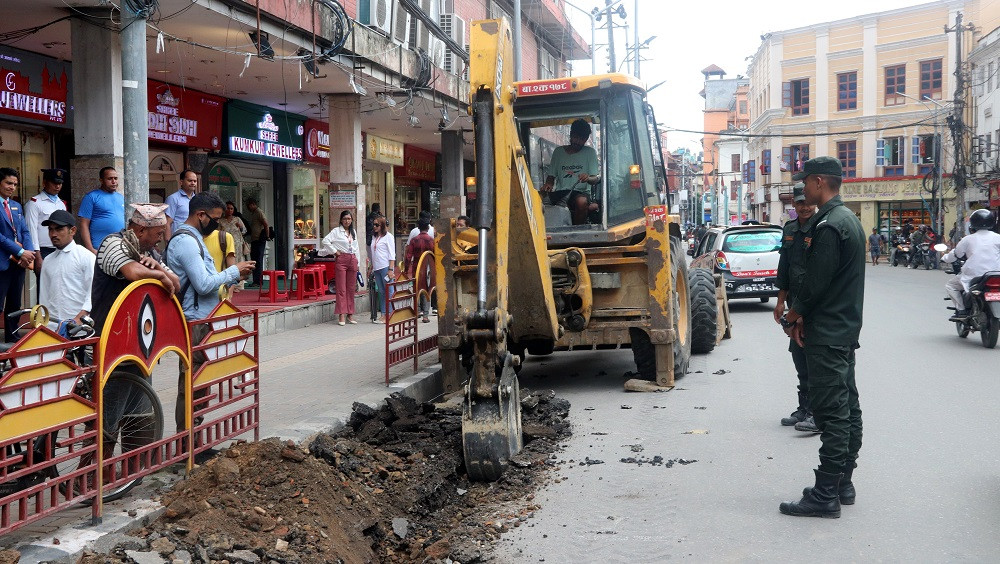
{"points": [[380, 286]]}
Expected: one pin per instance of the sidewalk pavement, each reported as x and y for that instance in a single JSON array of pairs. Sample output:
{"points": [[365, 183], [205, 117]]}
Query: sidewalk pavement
{"points": [[310, 378]]}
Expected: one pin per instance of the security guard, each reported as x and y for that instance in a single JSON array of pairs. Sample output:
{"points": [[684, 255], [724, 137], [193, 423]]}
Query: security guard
{"points": [[791, 270], [825, 319], [40, 207]]}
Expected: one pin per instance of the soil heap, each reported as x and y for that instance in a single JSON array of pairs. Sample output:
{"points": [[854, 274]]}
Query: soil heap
{"points": [[388, 487]]}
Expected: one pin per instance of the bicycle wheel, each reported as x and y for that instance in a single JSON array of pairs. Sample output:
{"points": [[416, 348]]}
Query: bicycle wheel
{"points": [[133, 418]]}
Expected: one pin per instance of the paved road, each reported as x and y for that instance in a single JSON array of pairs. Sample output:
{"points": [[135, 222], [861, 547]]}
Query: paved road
{"points": [[928, 478]]}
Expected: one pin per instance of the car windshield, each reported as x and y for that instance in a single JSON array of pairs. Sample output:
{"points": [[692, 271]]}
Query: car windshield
{"points": [[752, 242]]}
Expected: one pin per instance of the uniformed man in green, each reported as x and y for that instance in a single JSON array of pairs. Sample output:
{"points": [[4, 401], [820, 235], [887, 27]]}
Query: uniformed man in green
{"points": [[791, 270], [825, 319]]}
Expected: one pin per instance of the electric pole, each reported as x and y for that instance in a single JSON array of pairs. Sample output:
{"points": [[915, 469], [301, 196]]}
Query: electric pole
{"points": [[135, 119], [956, 122], [607, 12]]}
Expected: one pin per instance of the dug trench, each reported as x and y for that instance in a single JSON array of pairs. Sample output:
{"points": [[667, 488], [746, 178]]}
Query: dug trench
{"points": [[388, 487]]}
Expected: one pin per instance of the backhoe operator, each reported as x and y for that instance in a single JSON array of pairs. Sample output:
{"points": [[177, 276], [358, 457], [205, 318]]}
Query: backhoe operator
{"points": [[571, 166]]}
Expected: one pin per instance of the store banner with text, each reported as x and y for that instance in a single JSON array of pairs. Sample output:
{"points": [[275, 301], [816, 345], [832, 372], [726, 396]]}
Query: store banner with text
{"points": [[910, 188], [317, 142], [418, 164], [383, 150], [35, 88], [258, 131], [185, 117]]}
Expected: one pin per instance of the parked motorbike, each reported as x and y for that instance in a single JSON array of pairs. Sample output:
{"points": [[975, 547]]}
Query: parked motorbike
{"points": [[983, 303], [903, 254]]}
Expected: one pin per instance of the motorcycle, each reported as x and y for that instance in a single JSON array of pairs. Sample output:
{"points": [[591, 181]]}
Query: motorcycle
{"points": [[983, 303], [921, 256], [903, 252]]}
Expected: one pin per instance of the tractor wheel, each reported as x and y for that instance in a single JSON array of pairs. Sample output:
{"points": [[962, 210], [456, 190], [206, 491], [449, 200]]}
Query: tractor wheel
{"points": [[704, 310]]}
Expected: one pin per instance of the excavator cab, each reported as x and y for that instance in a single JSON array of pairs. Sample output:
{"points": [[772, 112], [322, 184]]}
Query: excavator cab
{"points": [[625, 176]]}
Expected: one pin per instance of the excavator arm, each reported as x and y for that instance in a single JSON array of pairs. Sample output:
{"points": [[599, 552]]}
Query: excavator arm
{"points": [[511, 246]]}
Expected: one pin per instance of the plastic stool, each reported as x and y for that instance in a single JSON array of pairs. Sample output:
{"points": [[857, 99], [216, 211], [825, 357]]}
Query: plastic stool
{"points": [[321, 280], [306, 282], [274, 277]]}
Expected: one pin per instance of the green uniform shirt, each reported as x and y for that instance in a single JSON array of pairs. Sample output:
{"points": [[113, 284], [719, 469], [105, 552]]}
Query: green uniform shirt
{"points": [[792, 261], [833, 290]]}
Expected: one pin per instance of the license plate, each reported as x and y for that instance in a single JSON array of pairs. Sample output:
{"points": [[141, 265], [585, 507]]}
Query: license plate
{"points": [[755, 288], [992, 296]]}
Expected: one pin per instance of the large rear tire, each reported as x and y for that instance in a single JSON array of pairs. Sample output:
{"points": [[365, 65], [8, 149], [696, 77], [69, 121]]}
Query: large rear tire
{"points": [[704, 310], [990, 333]]}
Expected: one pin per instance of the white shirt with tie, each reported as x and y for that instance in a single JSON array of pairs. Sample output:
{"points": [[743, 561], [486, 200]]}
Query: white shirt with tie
{"points": [[67, 277]]}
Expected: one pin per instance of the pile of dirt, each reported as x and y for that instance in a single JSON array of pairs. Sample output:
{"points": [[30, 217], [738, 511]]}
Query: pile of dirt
{"points": [[389, 487]]}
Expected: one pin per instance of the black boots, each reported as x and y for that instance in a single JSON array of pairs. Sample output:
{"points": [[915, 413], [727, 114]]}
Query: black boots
{"points": [[800, 414], [847, 492], [822, 500]]}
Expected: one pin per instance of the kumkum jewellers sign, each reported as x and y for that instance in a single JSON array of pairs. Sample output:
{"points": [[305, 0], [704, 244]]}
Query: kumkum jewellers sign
{"points": [[263, 132]]}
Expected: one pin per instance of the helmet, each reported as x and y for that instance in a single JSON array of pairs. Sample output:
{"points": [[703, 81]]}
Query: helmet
{"points": [[982, 219]]}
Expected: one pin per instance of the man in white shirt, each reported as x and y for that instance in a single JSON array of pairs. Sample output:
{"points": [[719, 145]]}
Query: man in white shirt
{"points": [[68, 273], [981, 251]]}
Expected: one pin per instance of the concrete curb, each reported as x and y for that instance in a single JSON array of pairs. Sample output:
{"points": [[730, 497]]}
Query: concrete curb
{"points": [[73, 539]]}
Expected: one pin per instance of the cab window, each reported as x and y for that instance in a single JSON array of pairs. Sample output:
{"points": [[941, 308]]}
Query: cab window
{"points": [[625, 203]]}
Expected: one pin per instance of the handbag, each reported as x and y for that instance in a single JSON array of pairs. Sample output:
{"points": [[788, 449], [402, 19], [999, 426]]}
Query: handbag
{"points": [[361, 280]]}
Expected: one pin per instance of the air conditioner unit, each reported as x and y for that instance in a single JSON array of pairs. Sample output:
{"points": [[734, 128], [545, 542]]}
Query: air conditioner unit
{"points": [[377, 14], [454, 27], [400, 24]]}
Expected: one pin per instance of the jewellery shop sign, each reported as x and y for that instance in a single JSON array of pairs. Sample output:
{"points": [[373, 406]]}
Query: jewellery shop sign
{"points": [[34, 89], [909, 188], [182, 116], [258, 131]]}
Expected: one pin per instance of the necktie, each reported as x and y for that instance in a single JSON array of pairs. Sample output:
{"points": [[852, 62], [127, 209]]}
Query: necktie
{"points": [[6, 208]]}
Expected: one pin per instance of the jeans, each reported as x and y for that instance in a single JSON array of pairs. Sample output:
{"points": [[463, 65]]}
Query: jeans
{"points": [[380, 286]]}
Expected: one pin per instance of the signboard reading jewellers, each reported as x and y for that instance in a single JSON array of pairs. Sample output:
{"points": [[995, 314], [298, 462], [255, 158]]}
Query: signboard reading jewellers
{"points": [[258, 131], [34, 89], [182, 116]]}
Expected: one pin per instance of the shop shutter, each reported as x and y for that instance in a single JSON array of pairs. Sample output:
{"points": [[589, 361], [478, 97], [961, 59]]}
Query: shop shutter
{"points": [[915, 150], [880, 152]]}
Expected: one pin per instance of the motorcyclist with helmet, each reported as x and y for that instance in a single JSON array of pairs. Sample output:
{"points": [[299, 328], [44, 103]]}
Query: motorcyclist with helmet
{"points": [[981, 252]]}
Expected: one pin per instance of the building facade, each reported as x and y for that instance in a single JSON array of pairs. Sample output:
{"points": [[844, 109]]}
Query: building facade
{"points": [[873, 91]]}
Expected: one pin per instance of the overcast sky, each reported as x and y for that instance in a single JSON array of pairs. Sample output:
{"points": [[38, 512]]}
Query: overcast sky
{"points": [[691, 35]]}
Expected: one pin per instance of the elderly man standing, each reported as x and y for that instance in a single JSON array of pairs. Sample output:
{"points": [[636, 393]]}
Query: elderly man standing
{"points": [[187, 255], [130, 255], [68, 274]]}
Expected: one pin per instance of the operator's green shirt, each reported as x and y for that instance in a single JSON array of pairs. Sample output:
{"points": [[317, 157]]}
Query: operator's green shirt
{"points": [[833, 289], [792, 257]]}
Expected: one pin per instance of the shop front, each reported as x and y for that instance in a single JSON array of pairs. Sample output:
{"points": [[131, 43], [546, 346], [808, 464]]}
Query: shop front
{"points": [[35, 117], [184, 125], [262, 149], [418, 188], [309, 181], [380, 156], [889, 203]]}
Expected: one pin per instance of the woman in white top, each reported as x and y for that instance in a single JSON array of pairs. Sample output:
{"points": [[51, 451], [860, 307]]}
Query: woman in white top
{"points": [[383, 255], [342, 244]]}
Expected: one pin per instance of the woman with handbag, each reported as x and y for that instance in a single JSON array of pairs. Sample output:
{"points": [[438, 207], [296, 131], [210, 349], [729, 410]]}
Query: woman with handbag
{"points": [[342, 243]]}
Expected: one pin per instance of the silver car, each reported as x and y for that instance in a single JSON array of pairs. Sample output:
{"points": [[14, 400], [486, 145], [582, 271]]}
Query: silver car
{"points": [[745, 255]]}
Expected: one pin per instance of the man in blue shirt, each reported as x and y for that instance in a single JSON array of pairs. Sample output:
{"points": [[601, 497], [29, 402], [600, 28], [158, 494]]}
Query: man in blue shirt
{"points": [[188, 257], [16, 249], [179, 202], [102, 211]]}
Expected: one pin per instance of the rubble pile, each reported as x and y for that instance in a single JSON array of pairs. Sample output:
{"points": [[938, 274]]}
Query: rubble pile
{"points": [[388, 487]]}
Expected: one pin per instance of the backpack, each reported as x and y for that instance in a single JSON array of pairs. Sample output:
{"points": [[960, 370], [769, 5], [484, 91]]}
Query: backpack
{"points": [[201, 249]]}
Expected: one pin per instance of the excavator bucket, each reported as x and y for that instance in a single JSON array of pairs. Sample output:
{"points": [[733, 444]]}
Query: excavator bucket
{"points": [[491, 427]]}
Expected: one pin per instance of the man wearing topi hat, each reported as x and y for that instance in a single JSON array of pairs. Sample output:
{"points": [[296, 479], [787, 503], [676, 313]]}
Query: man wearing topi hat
{"points": [[130, 255], [825, 320]]}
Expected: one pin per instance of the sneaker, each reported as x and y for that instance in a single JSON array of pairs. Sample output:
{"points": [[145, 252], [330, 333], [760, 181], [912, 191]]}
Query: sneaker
{"points": [[807, 425], [796, 416]]}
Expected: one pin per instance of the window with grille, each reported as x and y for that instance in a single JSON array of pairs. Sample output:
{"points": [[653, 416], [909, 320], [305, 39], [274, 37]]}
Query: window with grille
{"points": [[795, 95], [895, 85], [794, 157], [548, 65], [847, 91], [889, 154], [847, 152], [930, 79], [765, 162]]}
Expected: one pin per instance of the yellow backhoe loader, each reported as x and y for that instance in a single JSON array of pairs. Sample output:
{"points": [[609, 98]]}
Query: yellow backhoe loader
{"points": [[593, 263]]}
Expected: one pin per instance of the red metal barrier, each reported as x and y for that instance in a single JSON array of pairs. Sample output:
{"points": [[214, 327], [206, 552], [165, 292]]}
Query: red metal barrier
{"points": [[52, 412], [48, 426], [401, 326]]}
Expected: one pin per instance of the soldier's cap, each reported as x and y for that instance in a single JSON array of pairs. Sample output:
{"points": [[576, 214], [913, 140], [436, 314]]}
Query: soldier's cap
{"points": [[820, 165], [149, 215], [799, 192], [56, 175], [60, 218]]}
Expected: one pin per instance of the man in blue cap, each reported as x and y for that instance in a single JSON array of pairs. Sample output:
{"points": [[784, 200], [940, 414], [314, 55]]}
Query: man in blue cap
{"points": [[825, 319], [38, 208]]}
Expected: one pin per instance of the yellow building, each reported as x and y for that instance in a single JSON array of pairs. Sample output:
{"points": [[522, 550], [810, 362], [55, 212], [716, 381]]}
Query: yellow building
{"points": [[873, 91]]}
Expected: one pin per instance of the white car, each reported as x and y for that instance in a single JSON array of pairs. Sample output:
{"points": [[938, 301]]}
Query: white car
{"points": [[745, 255]]}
